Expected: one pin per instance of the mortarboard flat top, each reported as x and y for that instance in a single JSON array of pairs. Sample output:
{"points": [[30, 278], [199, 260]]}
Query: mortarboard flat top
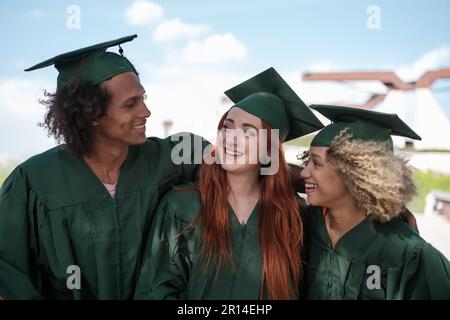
{"points": [[361, 124], [270, 98], [91, 63]]}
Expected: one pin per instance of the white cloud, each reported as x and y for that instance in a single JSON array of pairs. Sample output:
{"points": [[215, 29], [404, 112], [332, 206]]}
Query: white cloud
{"points": [[190, 96], [215, 48], [19, 97], [434, 59], [20, 112], [144, 13], [175, 29]]}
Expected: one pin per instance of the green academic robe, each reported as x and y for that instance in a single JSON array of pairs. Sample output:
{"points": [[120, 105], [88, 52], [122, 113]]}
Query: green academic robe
{"points": [[56, 216], [373, 261], [173, 265]]}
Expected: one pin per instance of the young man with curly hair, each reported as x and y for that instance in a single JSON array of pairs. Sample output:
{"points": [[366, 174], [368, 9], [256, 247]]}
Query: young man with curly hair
{"points": [[358, 248], [73, 219]]}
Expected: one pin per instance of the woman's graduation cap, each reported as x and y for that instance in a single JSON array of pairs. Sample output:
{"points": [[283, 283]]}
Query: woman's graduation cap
{"points": [[92, 64], [360, 124], [269, 97]]}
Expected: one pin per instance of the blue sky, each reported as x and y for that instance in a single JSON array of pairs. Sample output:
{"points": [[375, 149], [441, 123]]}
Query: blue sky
{"points": [[293, 36], [287, 33]]}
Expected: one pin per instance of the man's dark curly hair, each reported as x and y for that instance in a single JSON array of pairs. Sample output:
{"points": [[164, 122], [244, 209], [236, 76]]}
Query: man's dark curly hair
{"points": [[71, 111]]}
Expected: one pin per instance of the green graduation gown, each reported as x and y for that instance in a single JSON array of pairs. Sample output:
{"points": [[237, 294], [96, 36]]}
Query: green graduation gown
{"points": [[407, 267], [173, 266], [55, 213]]}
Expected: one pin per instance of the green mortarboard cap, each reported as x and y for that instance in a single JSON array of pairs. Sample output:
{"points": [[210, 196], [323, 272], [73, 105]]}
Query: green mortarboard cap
{"points": [[270, 98], [361, 124], [92, 64]]}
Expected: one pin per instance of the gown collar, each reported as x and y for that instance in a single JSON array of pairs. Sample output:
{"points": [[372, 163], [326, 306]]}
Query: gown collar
{"points": [[354, 242], [253, 219], [131, 177]]}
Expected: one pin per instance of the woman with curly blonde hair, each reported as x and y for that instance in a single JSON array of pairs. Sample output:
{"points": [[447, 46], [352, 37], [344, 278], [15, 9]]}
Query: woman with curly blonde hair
{"points": [[356, 186]]}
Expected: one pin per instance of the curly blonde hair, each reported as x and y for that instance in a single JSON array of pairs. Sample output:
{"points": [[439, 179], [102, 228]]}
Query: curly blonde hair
{"points": [[380, 182]]}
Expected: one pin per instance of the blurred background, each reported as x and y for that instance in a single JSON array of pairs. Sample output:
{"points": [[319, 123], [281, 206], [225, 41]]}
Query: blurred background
{"points": [[391, 56]]}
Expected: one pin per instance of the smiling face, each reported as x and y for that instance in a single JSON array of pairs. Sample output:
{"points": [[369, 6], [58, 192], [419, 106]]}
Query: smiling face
{"points": [[324, 186], [238, 140], [125, 120]]}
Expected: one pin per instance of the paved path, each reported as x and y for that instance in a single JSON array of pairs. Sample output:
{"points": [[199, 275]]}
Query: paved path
{"points": [[435, 230]]}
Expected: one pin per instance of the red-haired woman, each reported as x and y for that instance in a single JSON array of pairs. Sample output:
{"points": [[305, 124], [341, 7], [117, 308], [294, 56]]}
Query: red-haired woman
{"points": [[237, 233]]}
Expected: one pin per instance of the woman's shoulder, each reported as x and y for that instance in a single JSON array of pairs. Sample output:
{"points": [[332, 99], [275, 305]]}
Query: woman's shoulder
{"points": [[399, 234], [400, 244]]}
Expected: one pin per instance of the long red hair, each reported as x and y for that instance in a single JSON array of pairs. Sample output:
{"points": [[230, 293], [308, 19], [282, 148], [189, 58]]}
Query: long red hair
{"points": [[280, 226]]}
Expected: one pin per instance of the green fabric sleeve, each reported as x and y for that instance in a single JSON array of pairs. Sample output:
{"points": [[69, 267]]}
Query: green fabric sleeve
{"points": [[19, 276], [166, 265], [426, 275]]}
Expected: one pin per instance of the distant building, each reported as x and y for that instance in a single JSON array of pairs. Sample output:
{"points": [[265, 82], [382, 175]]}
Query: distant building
{"points": [[413, 102], [438, 203]]}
